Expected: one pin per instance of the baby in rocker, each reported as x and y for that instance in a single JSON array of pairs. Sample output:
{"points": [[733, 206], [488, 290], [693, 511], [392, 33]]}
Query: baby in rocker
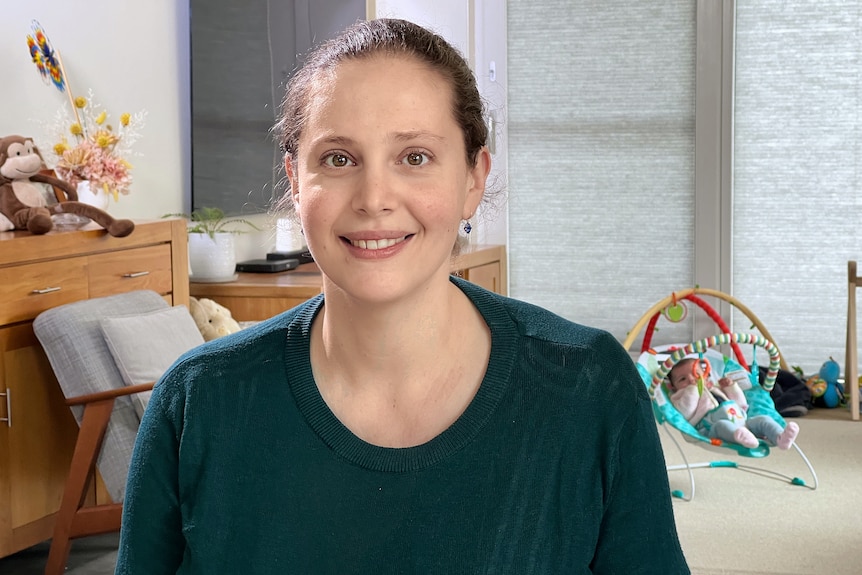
{"points": [[720, 412]]}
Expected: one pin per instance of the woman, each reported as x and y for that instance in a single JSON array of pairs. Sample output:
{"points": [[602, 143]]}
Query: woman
{"points": [[404, 421]]}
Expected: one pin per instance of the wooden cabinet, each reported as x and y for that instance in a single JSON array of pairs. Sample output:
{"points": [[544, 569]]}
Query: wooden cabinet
{"points": [[257, 296], [37, 430], [484, 265]]}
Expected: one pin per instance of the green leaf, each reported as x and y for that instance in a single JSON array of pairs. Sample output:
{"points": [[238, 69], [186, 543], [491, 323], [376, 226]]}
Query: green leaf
{"points": [[212, 221]]}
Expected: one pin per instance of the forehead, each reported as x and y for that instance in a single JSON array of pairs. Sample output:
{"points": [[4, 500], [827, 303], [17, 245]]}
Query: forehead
{"points": [[681, 367], [380, 85]]}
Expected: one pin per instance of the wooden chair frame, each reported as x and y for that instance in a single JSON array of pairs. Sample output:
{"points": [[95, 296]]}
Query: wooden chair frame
{"points": [[851, 357], [74, 518]]}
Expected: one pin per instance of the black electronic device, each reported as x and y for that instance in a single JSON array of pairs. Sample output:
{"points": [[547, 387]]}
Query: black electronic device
{"points": [[266, 266], [303, 255]]}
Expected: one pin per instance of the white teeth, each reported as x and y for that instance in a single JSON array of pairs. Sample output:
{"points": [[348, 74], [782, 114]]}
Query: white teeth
{"points": [[376, 244]]}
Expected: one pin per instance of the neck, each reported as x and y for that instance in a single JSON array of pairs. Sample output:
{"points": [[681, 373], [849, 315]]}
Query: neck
{"points": [[387, 341], [398, 374]]}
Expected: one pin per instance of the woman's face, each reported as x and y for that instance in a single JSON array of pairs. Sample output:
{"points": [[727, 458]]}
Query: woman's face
{"points": [[381, 181]]}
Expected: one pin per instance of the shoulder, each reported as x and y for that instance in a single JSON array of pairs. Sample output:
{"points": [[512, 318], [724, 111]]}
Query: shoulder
{"points": [[537, 322], [223, 361], [540, 325], [559, 351], [267, 331]]}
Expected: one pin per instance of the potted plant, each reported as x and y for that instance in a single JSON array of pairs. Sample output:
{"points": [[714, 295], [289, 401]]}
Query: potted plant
{"points": [[212, 253]]}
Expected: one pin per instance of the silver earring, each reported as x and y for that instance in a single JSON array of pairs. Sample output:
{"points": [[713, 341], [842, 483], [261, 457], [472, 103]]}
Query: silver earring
{"points": [[465, 229]]}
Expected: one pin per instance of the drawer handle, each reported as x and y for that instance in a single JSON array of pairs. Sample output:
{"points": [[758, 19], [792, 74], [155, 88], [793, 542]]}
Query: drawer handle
{"points": [[8, 418], [46, 290], [136, 274]]}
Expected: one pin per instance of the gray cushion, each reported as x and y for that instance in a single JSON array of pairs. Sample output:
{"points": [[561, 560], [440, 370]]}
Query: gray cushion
{"points": [[72, 338], [167, 333]]}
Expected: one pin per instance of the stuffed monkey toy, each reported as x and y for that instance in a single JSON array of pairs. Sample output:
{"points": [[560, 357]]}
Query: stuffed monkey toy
{"points": [[24, 204]]}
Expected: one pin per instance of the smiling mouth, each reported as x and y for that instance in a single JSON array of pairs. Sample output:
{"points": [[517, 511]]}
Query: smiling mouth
{"points": [[376, 244]]}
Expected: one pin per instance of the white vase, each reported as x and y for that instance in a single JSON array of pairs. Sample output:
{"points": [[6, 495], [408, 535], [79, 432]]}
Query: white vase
{"points": [[212, 259], [97, 197]]}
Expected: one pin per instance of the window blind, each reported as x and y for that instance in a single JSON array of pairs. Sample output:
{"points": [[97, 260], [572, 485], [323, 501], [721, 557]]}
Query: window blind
{"points": [[797, 167], [601, 157]]}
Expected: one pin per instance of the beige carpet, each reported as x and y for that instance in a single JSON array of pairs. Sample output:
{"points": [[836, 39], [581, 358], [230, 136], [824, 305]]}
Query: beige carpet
{"points": [[740, 523]]}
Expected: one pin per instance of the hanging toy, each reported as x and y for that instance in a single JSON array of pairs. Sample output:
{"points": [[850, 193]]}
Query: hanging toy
{"points": [[676, 311], [701, 374], [754, 374]]}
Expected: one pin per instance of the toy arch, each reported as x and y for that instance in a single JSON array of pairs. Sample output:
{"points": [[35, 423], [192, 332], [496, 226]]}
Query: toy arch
{"points": [[691, 294], [663, 409]]}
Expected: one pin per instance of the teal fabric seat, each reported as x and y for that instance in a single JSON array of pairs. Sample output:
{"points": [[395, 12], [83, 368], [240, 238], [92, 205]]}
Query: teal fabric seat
{"points": [[654, 364]]}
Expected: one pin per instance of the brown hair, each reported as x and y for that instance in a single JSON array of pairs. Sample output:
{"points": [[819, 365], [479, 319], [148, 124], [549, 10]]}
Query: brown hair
{"points": [[391, 36]]}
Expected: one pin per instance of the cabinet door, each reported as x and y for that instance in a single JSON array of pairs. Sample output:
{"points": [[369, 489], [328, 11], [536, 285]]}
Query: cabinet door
{"points": [[487, 276], [38, 446]]}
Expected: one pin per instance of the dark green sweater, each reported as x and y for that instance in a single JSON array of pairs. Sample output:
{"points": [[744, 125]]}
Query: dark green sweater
{"points": [[555, 466]]}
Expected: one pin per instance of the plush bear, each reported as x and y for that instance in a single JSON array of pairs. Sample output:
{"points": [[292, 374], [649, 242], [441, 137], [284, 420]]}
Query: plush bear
{"points": [[23, 205], [213, 319]]}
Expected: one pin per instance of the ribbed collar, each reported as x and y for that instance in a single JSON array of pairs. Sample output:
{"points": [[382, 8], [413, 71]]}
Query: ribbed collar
{"points": [[504, 335]]}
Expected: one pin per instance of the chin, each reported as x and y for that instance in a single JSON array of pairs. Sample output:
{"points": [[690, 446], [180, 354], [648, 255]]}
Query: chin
{"points": [[378, 288]]}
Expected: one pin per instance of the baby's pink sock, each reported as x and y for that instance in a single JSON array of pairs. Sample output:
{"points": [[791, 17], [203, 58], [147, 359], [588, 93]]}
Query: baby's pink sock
{"points": [[785, 440], [743, 436]]}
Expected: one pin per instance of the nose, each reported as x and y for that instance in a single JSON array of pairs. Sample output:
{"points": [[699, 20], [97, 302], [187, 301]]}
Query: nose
{"points": [[375, 193]]}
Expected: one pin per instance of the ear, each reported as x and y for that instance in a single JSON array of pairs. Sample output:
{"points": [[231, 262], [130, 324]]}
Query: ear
{"points": [[476, 178], [289, 169]]}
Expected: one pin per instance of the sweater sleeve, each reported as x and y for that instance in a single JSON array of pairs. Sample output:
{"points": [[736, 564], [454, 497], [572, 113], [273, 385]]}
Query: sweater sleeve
{"points": [[638, 533], [151, 538]]}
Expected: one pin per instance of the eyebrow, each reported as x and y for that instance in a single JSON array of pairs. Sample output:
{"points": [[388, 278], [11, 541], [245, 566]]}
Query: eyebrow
{"points": [[413, 135], [337, 140], [397, 136]]}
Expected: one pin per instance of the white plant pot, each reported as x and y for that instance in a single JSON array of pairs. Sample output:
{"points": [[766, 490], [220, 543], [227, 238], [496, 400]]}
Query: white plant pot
{"points": [[212, 259], [97, 197]]}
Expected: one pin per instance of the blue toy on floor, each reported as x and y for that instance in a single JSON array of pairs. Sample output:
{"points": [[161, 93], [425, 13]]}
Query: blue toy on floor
{"points": [[826, 390]]}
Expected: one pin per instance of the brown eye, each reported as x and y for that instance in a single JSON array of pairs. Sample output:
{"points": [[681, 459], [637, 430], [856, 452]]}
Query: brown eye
{"points": [[339, 160], [416, 159]]}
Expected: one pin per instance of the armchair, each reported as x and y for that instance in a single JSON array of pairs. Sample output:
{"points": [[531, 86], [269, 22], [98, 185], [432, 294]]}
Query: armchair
{"points": [[106, 353]]}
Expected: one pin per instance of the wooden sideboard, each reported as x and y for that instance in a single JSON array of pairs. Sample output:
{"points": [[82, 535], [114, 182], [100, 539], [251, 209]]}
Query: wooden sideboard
{"points": [[37, 430], [257, 296]]}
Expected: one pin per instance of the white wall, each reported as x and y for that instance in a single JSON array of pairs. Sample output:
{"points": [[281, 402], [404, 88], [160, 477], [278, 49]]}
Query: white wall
{"points": [[490, 52], [449, 18], [134, 56]]}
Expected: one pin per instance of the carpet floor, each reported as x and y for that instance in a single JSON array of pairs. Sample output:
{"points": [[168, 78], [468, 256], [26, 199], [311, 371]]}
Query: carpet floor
{"points": [[744, 523]]}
